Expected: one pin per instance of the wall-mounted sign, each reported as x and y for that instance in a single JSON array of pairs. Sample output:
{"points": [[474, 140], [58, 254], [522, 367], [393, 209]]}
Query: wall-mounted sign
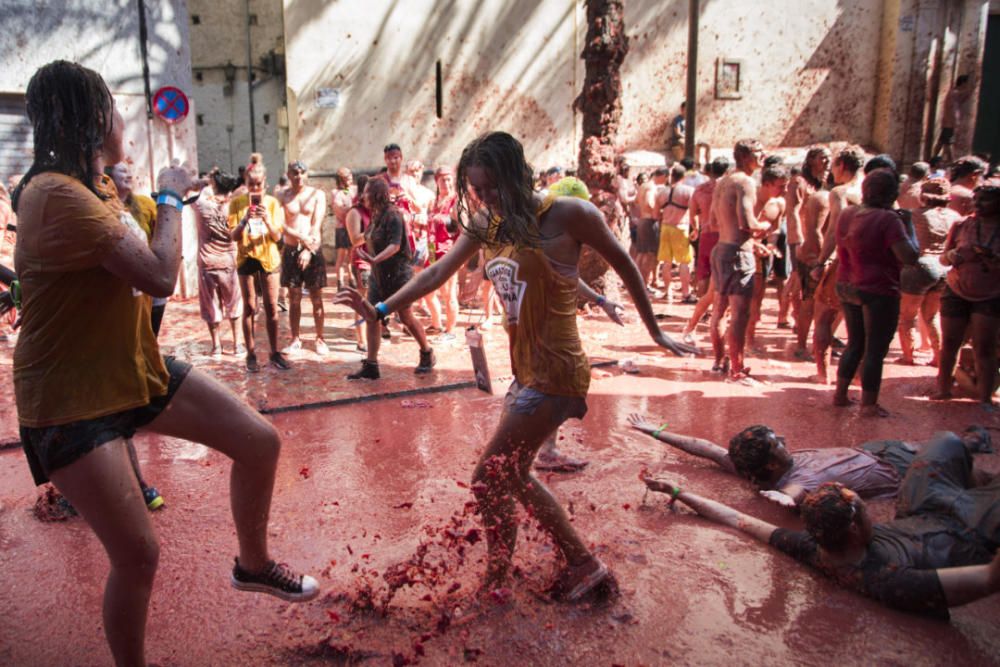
{"points": [[327, 98]]}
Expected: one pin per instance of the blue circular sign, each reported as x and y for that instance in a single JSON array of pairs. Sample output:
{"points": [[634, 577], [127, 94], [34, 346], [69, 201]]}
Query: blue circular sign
{"points": [[171, 104]]}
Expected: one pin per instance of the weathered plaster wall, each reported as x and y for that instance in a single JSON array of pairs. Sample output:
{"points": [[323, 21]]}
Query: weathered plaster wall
{"points": [[220, 37], [104, 35], [506, 64], [802, 61]]}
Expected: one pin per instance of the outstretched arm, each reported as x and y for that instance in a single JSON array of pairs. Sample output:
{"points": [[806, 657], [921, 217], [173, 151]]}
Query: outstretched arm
{"points": [[590, 229], [612, 310], [694, 446], [423, 283], [715, 511], [962, 585]]}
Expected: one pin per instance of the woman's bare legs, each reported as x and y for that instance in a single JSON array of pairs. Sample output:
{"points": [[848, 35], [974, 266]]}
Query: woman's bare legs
{"points": [[450, 293], [103, 489], [203, 410], [952, 336], [503, 475], [984, 343], [929, 309], [909, 306]]}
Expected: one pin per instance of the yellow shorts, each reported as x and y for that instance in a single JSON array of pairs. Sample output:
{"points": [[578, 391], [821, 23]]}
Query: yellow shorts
{"points": [[674, 245]]}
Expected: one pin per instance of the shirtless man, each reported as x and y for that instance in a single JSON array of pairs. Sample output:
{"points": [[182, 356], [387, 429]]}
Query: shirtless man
{"points": [[769, 208], [965, 175], [951, 119], [705, 233], [341, 200], [733, 258], [302, 259], [808, 210], [648, 240], [402, 187], [847, 175], [909, 194], [675, 247]]}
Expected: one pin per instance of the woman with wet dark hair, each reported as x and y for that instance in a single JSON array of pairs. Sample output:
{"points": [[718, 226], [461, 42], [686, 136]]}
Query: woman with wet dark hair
{"points": [[87, 370], [972, 295], [873, 241], [532, 246]]}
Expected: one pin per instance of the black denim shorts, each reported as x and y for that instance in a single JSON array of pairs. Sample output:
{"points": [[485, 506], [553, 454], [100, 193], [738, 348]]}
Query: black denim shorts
{"points": [[49, 448]]}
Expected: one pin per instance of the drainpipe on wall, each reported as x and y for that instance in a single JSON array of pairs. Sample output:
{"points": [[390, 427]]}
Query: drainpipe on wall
{"points": [[253, 129], [692, 80]]}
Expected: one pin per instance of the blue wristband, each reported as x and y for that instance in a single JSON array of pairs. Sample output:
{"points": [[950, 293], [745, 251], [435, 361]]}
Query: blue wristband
{"points": [[169, 198], [601, 300], [381, 309]]}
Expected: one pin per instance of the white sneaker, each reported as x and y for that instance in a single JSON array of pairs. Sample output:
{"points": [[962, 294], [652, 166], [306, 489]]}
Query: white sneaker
{"points": [[688, 339], [321, 348], [294, 346]]}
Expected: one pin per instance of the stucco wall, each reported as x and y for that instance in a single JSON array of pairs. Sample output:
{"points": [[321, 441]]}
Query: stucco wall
{"points": [[801, 61], [506, 64], [104, 35], [220, 37]]}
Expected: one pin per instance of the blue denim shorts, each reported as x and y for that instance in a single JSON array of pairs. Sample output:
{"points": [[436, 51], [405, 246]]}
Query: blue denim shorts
{"points": [[524, 400]]}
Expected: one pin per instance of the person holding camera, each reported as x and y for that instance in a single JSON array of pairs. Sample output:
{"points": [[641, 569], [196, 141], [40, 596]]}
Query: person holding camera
{"points": [[972, 294], [256, 221]]}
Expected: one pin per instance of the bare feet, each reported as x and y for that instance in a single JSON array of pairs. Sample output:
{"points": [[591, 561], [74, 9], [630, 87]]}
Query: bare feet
{"points": [[906, 361], [819, 379], [938, 395], [558, 462], [575, 582], [875, 410]]}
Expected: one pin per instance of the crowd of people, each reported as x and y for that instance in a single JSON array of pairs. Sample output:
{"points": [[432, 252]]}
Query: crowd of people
{"points": [[842, 238]]}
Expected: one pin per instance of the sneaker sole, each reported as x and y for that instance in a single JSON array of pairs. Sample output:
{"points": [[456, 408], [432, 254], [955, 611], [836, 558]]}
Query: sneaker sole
{"points": [[250, 587]]}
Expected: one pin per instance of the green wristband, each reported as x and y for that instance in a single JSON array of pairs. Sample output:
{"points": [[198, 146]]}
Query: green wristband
{"points": [[656, 433]]}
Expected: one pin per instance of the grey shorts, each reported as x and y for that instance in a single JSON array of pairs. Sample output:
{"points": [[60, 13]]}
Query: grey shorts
{"points": [[524, 400], [925, 276], [733, 267], [647, 235]]}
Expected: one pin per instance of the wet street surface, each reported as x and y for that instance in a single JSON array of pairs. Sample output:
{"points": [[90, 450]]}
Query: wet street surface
{"points": [[365, 481]]}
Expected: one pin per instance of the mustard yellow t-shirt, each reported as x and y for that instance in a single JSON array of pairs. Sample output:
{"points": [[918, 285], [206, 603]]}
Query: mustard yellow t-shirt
{"points": [[256, 242], [86, 347], [143, 209]]}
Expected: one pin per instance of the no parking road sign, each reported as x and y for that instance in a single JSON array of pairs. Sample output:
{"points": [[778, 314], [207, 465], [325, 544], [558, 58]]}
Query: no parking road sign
{"points": [[171, 104]]}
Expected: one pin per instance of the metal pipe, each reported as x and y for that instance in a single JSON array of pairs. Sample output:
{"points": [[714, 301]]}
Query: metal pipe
{"points": [[692, 79], [253, 129]]}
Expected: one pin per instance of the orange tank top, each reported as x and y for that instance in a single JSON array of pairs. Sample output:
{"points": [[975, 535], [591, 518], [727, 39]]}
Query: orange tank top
{"points": [[545, 349]]}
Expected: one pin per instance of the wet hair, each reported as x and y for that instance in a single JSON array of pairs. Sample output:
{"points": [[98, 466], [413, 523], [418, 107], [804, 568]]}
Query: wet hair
{"points": [[677, 173], [982, 436], [828, 515], [744, 148], [224, 182], [71, 112], [962, 79], [502, 157], [750, 452], [343, 177], [967, 165], [255, 168], [391, 147], [919, 170], [719, 166], [881, 161], [362, 182], [772, 160], [552, 171], [660, 171], [851, 158], [935, 192], [880, 188], [773, 172], [282, 180], [687, 163], [378, 194], [811, 155], [641, 178]]}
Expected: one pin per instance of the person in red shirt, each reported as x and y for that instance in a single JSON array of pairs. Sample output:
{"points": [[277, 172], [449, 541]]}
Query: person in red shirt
{"points": [[444, 230], [873, 241]]}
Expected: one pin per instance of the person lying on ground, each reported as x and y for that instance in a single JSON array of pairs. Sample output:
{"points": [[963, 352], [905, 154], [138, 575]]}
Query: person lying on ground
{"points": [[872, 470], [939, 551]]}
